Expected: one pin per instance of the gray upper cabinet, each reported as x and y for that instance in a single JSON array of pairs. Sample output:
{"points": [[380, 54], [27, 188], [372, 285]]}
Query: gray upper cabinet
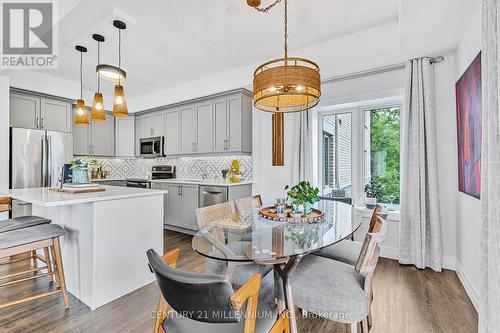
{"points": [[55, 115], [222, 124], [188, 126], [233, 123], [24, 111], [103, 137], [81, 139], [124, 136], [96, 138], [172, 142], [204, 127], [31, 111]]}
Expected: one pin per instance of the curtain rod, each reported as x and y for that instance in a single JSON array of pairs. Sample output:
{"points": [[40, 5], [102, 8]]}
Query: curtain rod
{"points": [[378, 70]]}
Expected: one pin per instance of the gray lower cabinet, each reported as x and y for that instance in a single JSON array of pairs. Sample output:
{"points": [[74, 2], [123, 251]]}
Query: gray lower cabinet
{"points": [[32, 111], [179, 205]]}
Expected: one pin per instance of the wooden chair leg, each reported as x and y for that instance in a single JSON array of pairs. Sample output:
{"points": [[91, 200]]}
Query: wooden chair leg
{"points": [[162, 312], [370, 320], [56, 275], [48, 263], [35, 260], [60, 270], [354, 328], [364, 326]]}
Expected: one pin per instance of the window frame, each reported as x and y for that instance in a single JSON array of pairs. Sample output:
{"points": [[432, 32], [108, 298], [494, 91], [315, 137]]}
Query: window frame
{"points": [[357, 143]]}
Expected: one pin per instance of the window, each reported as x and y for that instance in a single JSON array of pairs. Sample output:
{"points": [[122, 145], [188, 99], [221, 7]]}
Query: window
{"points": [[361, 146], [337, 155], [381, 152]]}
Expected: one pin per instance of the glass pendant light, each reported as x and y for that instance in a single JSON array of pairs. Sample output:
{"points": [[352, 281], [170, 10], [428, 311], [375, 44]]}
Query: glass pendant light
{"points": [[81, 114], [98, 112], [119, 101]]}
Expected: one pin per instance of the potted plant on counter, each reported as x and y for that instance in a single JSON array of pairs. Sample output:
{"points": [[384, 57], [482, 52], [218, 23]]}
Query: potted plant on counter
{"points": [[303, 196], [82, 167], [372, 190]]}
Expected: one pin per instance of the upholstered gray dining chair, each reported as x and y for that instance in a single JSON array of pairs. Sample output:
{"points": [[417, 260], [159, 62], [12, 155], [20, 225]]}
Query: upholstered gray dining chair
{"points": [[348, 251], [202, 302], [336, 290], [238, 273]]}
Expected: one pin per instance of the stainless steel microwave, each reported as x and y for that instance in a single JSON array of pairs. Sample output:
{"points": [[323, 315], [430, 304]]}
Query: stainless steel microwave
{"points": [[152, 147]]}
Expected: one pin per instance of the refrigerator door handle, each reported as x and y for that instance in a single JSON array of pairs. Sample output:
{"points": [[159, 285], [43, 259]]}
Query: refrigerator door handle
{"points": [[49, 160], [42, 168]]}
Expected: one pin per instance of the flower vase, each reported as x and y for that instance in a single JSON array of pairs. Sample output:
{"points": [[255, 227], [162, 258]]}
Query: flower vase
{"points": [[307, 209]]}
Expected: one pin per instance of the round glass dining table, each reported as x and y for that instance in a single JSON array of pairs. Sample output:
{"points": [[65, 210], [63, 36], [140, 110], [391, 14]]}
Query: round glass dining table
{"points": [[248, 237]]}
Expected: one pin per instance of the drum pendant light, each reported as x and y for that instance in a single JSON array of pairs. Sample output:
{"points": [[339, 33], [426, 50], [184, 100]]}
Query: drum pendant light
{"points": [[287, 84], [119, 102], [81, 113], [98, 112]]}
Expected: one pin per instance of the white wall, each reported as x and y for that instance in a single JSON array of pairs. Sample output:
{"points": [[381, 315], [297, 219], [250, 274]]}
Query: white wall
{"points": [[4, 132], [468, 210]]}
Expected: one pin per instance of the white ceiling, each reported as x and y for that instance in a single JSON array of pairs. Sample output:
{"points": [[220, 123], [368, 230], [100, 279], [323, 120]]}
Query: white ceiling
{"points": [[170, 43]]}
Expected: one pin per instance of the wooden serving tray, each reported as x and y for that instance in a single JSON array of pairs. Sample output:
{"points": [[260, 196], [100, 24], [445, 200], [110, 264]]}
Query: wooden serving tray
{"points": [[78, 190], [268, 213]]}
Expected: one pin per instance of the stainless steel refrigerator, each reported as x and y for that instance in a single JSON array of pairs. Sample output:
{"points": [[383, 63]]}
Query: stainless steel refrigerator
{"points": [[36, 160]]}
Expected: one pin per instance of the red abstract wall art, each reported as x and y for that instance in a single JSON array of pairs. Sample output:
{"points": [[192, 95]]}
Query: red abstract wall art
{"points": [[469, 107]]}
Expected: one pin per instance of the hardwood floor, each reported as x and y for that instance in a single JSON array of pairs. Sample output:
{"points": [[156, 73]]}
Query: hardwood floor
{"points": [[406, 300]]}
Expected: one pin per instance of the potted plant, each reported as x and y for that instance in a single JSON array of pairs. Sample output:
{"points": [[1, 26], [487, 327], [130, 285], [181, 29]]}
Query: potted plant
{"points": [[224, 174], [372, 190], [82, 167], [303, 196]]}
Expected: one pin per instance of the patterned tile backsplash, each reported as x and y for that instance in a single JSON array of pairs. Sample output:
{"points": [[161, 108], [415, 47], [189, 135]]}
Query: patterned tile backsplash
{"points": [[186, 167]]}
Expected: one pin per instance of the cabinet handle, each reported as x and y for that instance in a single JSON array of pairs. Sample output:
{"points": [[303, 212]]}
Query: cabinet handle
{"points": [[42, 123], [225, 144], [37, 122], [228, 144]]}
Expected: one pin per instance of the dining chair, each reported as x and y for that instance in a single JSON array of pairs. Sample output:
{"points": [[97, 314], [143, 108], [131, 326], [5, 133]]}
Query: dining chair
{"points": [[348, 251], [237, 272], [336, 290], [31, 239], [248, 203], [26, 222], [202, 302]]}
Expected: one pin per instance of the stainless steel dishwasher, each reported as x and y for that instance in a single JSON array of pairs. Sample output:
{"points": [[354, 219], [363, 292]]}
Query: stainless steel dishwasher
{"points": [[212, 195]]}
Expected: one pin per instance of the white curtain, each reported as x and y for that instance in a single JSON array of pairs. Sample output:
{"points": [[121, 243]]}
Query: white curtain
{"points": [[420, 231], [302, 159], [489, 302]]}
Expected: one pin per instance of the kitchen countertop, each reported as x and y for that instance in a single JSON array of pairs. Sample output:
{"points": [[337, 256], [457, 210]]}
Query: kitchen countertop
{"points": [[207, 182], [41, 196]]}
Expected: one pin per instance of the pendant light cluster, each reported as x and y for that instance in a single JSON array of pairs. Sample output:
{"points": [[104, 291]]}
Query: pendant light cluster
{"points": [[108, 72]]}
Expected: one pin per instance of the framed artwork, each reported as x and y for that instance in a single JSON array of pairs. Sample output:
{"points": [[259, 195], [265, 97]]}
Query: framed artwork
{"points": [[469, 131]]}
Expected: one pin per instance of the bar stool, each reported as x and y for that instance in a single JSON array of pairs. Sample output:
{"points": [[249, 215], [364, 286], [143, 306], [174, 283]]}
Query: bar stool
{"points": [[26, 222], [31, 239]]}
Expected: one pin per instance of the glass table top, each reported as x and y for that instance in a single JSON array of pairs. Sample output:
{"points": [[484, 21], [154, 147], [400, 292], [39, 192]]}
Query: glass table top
{"points": [[249, 237]]}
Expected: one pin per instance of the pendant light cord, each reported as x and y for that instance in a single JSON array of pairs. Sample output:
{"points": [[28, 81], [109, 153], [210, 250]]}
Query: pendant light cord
{"points": [[81, 75], [98, 63], [267, 9], [119, 53]]}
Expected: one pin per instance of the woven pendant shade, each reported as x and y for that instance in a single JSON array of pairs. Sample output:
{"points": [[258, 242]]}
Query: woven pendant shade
{"points": [[119, 103], [98, 112], [286, 85], [81, 114]]}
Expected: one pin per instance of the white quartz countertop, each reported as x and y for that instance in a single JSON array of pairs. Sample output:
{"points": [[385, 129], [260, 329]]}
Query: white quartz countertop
{"points": [[200, 182], [42, 196]]}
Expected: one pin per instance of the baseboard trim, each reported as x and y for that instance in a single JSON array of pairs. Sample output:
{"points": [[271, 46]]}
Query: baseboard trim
{"points": [[393, 253], [468, 286]]}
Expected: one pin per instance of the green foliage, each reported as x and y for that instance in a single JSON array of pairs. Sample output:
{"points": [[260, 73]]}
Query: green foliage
{"points": [[85, 162], [374, 189], [302, 192], [385, 129]]}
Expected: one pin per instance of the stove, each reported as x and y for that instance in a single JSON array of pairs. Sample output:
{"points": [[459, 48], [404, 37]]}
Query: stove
{"points": [[157, 172]]}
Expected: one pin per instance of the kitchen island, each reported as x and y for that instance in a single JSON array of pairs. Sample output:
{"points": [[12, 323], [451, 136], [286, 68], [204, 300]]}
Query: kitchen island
{"points": [[107, 236]]}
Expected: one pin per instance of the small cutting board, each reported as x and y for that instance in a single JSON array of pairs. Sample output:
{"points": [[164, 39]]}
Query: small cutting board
{"points": [[77, 190]]}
